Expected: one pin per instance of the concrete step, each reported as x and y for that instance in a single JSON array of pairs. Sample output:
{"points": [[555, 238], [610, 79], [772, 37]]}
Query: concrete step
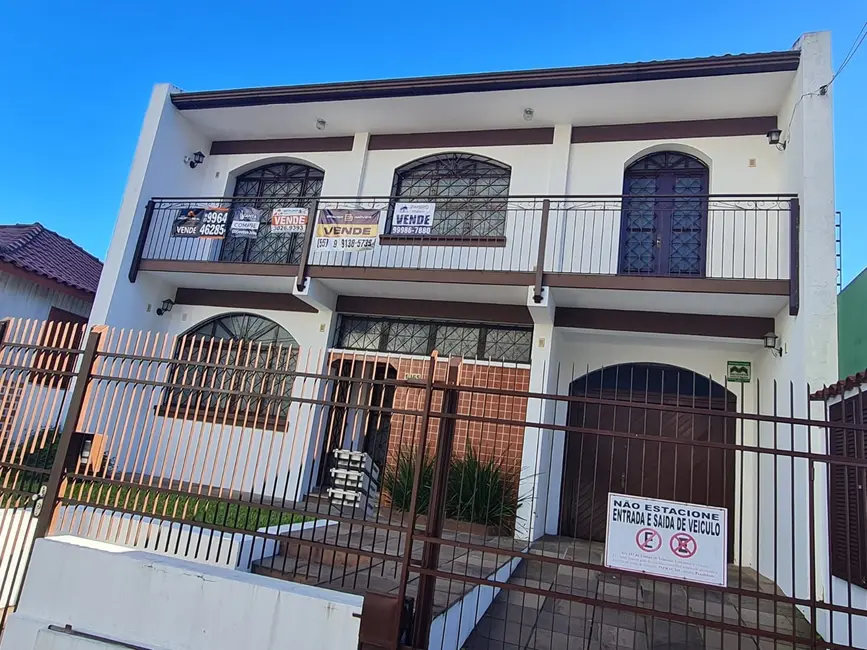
{"points": [[332, 556]]}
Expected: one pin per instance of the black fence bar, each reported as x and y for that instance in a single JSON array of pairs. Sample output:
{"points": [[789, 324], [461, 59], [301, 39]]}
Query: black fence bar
{"points": [[140, 242], [795, 257]]}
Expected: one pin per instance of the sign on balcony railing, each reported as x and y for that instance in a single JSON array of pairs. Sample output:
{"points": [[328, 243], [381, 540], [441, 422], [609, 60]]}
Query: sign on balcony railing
{"points": [[347, 230], [713, 236]]}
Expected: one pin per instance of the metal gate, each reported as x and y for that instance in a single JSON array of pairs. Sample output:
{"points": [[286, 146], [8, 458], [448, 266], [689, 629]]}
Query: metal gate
{"points": [[38, 362]]}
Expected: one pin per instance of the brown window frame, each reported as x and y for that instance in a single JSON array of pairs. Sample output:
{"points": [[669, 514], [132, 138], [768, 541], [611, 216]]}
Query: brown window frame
{"points": [[71, 339], [846, 492], [235, 410]]}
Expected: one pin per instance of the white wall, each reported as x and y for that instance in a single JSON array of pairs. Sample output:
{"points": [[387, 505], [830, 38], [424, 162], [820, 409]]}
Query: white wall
{"points": [[227, 454], [809, 340], [745, 240], [20, 298], [845, 594], [158, 169], [135, 597]]}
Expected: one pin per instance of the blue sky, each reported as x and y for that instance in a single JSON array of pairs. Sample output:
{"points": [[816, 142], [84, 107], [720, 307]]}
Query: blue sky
{"points": [[76, 76]]}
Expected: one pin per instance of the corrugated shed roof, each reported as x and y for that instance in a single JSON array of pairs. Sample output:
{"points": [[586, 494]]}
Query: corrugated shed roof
{"points": [[35, 248], [850, 382]]}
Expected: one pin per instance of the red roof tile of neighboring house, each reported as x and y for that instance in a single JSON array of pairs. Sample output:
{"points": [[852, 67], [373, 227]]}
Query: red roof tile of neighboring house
{"points": [[852, 381], [34, 248]]}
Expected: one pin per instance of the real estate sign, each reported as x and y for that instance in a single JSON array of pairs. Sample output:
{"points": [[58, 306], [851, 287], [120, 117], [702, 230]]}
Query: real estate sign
{"points": [[245, 222], [201, 223], [667, 538], [347, 230], [288, 220], [412, 218]]}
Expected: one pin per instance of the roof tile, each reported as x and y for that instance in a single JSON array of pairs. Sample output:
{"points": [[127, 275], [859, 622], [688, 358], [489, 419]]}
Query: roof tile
{"points": [[850, 382], [34, 248]]}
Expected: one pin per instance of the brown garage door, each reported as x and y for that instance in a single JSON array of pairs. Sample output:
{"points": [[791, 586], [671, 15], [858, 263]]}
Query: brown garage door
{"points": [[596, 464]]}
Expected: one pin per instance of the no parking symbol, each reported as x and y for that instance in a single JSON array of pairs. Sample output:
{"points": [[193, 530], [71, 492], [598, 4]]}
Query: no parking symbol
{"points": [[673, 539], [648, 540], [683, 545]]}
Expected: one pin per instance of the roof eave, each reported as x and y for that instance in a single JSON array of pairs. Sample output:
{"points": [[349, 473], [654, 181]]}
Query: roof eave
{"points": [[493, 81]]}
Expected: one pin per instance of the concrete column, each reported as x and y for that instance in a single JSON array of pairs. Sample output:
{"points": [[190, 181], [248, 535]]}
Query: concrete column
{"points": [[349, 181], [536, 453], [558, 181], [558, 170]]}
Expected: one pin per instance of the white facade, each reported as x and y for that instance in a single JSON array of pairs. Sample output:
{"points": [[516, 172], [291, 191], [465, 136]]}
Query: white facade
{"points": [[582, 252]]}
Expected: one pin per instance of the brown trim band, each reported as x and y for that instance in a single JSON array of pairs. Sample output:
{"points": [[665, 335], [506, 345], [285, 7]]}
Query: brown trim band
{"points": [[219, 268], [281, 145], [674, 130], [242, 300], [482, 277], [435, 310], [713, 66], [735, 327], [507, 278], [491, 138], [436, 240], [674, 284]]}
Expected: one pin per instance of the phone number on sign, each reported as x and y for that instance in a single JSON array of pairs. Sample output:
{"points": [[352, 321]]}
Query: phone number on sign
{"points": [[344, 244]]}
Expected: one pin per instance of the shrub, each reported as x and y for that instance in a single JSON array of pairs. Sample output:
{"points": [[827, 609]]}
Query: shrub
{"points": [[482, 491], [478, 491], [397, 481]]}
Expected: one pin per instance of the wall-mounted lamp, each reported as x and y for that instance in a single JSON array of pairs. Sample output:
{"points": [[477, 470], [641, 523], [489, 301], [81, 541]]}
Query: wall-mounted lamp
{"points": [[771, 342], [195, 160], [529, 113], [167, 307], [774, 136], [320, 124]]}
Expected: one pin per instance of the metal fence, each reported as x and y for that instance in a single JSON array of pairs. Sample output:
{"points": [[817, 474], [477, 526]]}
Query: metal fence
{"points": [[715, 236], [478, 516]]}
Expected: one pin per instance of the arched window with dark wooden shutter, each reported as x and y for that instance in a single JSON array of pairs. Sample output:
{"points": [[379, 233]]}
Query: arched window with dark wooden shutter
{"points": [[234, 363], [471, 192], [278, 185], [847, 507], [664, 220]]}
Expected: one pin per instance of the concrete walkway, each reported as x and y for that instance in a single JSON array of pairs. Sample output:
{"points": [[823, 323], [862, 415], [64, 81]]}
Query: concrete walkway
{"points": [[522, 621]]}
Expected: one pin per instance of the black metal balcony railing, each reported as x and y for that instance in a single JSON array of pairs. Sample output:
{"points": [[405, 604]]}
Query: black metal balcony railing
{"points": [[703, 236]]}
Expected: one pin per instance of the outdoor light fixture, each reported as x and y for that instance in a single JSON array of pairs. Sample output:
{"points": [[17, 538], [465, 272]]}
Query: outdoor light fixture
{"points": [[167, 307], [774, 136], [771, 341], [320, 124], [195, 160], [528, 114]]}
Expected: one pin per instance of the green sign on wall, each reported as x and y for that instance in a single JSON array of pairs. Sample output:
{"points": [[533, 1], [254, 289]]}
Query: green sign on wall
{"points": [[739, 371]]}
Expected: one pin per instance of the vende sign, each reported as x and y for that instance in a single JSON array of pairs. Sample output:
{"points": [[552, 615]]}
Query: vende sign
{"points": [[667, 538]]}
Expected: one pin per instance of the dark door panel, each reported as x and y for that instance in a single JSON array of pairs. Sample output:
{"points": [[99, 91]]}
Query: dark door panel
{"points": [[648, 462]]}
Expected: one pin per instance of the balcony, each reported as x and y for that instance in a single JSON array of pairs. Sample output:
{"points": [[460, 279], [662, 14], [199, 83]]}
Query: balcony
{"points": [[710, 244]]}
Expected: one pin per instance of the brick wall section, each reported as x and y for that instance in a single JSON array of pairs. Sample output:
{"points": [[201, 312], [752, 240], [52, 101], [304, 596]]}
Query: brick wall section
{"points": [[487, 439]]}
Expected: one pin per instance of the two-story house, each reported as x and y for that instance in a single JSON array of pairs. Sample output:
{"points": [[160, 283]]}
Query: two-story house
{"points": [[625, 229]]}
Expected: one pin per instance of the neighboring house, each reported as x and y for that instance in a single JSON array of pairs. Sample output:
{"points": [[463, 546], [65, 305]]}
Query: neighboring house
{"points": [[47, 282], [594, 228], [852, 326], [44, 276]]}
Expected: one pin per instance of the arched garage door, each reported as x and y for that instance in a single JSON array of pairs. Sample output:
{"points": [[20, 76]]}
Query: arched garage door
{"points": [[647, 462]]}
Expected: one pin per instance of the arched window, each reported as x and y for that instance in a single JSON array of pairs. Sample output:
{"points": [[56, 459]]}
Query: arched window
{"points": [[278, 185], [233, 361], [470, 192], [664, 215]]}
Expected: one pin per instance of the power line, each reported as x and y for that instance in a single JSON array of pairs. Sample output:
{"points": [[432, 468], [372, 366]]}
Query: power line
{"points": [[859, 39], [823, 89]]}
